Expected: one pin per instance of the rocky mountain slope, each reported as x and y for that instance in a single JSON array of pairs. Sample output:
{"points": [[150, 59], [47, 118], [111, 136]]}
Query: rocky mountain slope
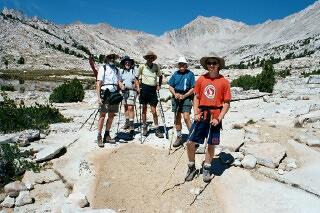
{"points": [[45, 45]]}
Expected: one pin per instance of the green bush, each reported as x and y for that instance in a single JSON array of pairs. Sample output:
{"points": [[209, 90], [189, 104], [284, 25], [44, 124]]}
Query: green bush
{"points": [[264, 81], [314, 72], [284, 73], [245, 81], [13, 162], [68, 92], [15, 117], [7, 88], [21, 60]]}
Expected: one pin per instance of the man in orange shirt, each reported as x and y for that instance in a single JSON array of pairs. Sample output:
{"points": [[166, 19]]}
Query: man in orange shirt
{"points": [[211, 103]]}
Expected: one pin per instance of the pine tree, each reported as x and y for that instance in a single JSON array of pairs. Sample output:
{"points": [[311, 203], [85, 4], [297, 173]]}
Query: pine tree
{"points": [[21, 60]]}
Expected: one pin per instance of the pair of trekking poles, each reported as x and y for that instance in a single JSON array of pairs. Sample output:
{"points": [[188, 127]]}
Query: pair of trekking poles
{"points": [[96, 111], [162, 118]]}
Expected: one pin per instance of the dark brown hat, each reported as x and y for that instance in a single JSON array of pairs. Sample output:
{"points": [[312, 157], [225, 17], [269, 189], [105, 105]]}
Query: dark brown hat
{"points": [[127, 58], [203, 61], [112, 54]]}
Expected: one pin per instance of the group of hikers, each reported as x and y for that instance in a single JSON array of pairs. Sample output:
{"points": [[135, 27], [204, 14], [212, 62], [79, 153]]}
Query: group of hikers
{"points": [[209, 97]]}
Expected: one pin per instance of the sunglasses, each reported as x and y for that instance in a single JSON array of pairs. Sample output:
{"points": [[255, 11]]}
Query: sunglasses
{"points": [[150, 57], [181, 64], [212, 63], [127, 63]]}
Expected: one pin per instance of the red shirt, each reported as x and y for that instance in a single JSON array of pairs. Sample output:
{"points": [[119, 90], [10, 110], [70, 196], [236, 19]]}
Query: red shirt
{"points": [[212, 92]]}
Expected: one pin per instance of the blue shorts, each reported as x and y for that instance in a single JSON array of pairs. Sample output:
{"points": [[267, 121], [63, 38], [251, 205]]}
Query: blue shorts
{"points": [[200, 130]]}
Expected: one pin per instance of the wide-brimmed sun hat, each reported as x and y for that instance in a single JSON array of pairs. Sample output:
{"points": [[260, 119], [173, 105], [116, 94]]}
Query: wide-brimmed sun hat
{"points": [[182, 60], [127, 58], [150, 53], [109, 55], [203, 61]]}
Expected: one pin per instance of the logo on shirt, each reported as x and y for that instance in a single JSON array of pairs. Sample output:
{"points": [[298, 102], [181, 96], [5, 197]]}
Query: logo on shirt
{"points": [[210, 91]]}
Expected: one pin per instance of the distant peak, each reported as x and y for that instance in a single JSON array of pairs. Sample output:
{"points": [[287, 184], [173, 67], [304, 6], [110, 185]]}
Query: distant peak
{"points": [[13, 12]]}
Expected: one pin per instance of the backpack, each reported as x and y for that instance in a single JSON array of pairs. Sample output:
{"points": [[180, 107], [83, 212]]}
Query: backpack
{"points": [[108, 97]]}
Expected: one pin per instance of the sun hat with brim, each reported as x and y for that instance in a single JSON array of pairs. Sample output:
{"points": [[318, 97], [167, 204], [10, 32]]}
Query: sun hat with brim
{"points": [[150, 53], [203, 61], [182, 60], [127, 58], [112, 54]]}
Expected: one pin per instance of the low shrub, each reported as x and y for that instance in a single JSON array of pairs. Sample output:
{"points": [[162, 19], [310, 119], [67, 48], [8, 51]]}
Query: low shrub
{"points": [[14, 163], [7, 88], [245, 81], [264, 81], [68, 92], [284, 73], [314, 72], [15, 117]]}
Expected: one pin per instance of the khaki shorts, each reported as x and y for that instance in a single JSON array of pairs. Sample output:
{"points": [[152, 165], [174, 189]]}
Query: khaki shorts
{"points": [[109, 108], [129, 97]]}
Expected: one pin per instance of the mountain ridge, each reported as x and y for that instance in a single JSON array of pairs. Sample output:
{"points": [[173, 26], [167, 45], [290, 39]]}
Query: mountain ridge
{"points": [[40, 40]]}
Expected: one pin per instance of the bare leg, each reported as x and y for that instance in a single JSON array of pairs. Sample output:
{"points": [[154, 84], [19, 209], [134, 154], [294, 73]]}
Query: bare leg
{"points": [[209, 154], [178, 122], [126, 113], [155, 116], [130, 112], [187, 120], [101, 121], [144, 113], [109, 121], [191, 150]]}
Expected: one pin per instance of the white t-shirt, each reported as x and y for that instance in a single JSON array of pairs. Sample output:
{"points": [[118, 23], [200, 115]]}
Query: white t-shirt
{"points": [[128, 78], [109, 77]]}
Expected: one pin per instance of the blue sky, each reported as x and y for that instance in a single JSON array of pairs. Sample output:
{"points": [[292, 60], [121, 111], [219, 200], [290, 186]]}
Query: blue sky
{"points": [[155, 17]]}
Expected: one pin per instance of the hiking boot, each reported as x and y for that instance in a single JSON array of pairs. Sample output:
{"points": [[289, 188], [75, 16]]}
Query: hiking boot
{"points": [[159, 134], [178, 142], [206, 174], [126, 125], [144, 130], [100, 142], [191, 173], [108, 139]]}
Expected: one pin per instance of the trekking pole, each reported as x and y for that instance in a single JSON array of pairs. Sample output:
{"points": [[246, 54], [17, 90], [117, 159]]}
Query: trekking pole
{"points": [[162, 115], [135, 109], [87, 119], [119, 118], [174, 168], [174, 123], [94, 119]]}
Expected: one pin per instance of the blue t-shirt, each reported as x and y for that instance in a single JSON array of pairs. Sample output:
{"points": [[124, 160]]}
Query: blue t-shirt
{"points": [[182, 81]]}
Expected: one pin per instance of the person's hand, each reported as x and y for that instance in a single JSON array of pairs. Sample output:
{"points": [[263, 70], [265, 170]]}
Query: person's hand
{"points": [[99, 101], [158, 87], [177, 96], [197, 117], [182, 97], [214, 121]]}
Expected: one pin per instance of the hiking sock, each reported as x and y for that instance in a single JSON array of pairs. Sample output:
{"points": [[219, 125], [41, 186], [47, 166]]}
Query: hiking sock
{"points": [[179, 134], [207, 165], [191, 163]]}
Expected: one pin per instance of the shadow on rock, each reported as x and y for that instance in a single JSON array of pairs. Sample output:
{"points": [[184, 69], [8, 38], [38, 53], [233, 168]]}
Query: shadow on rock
{"points": [[219, 165]]}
